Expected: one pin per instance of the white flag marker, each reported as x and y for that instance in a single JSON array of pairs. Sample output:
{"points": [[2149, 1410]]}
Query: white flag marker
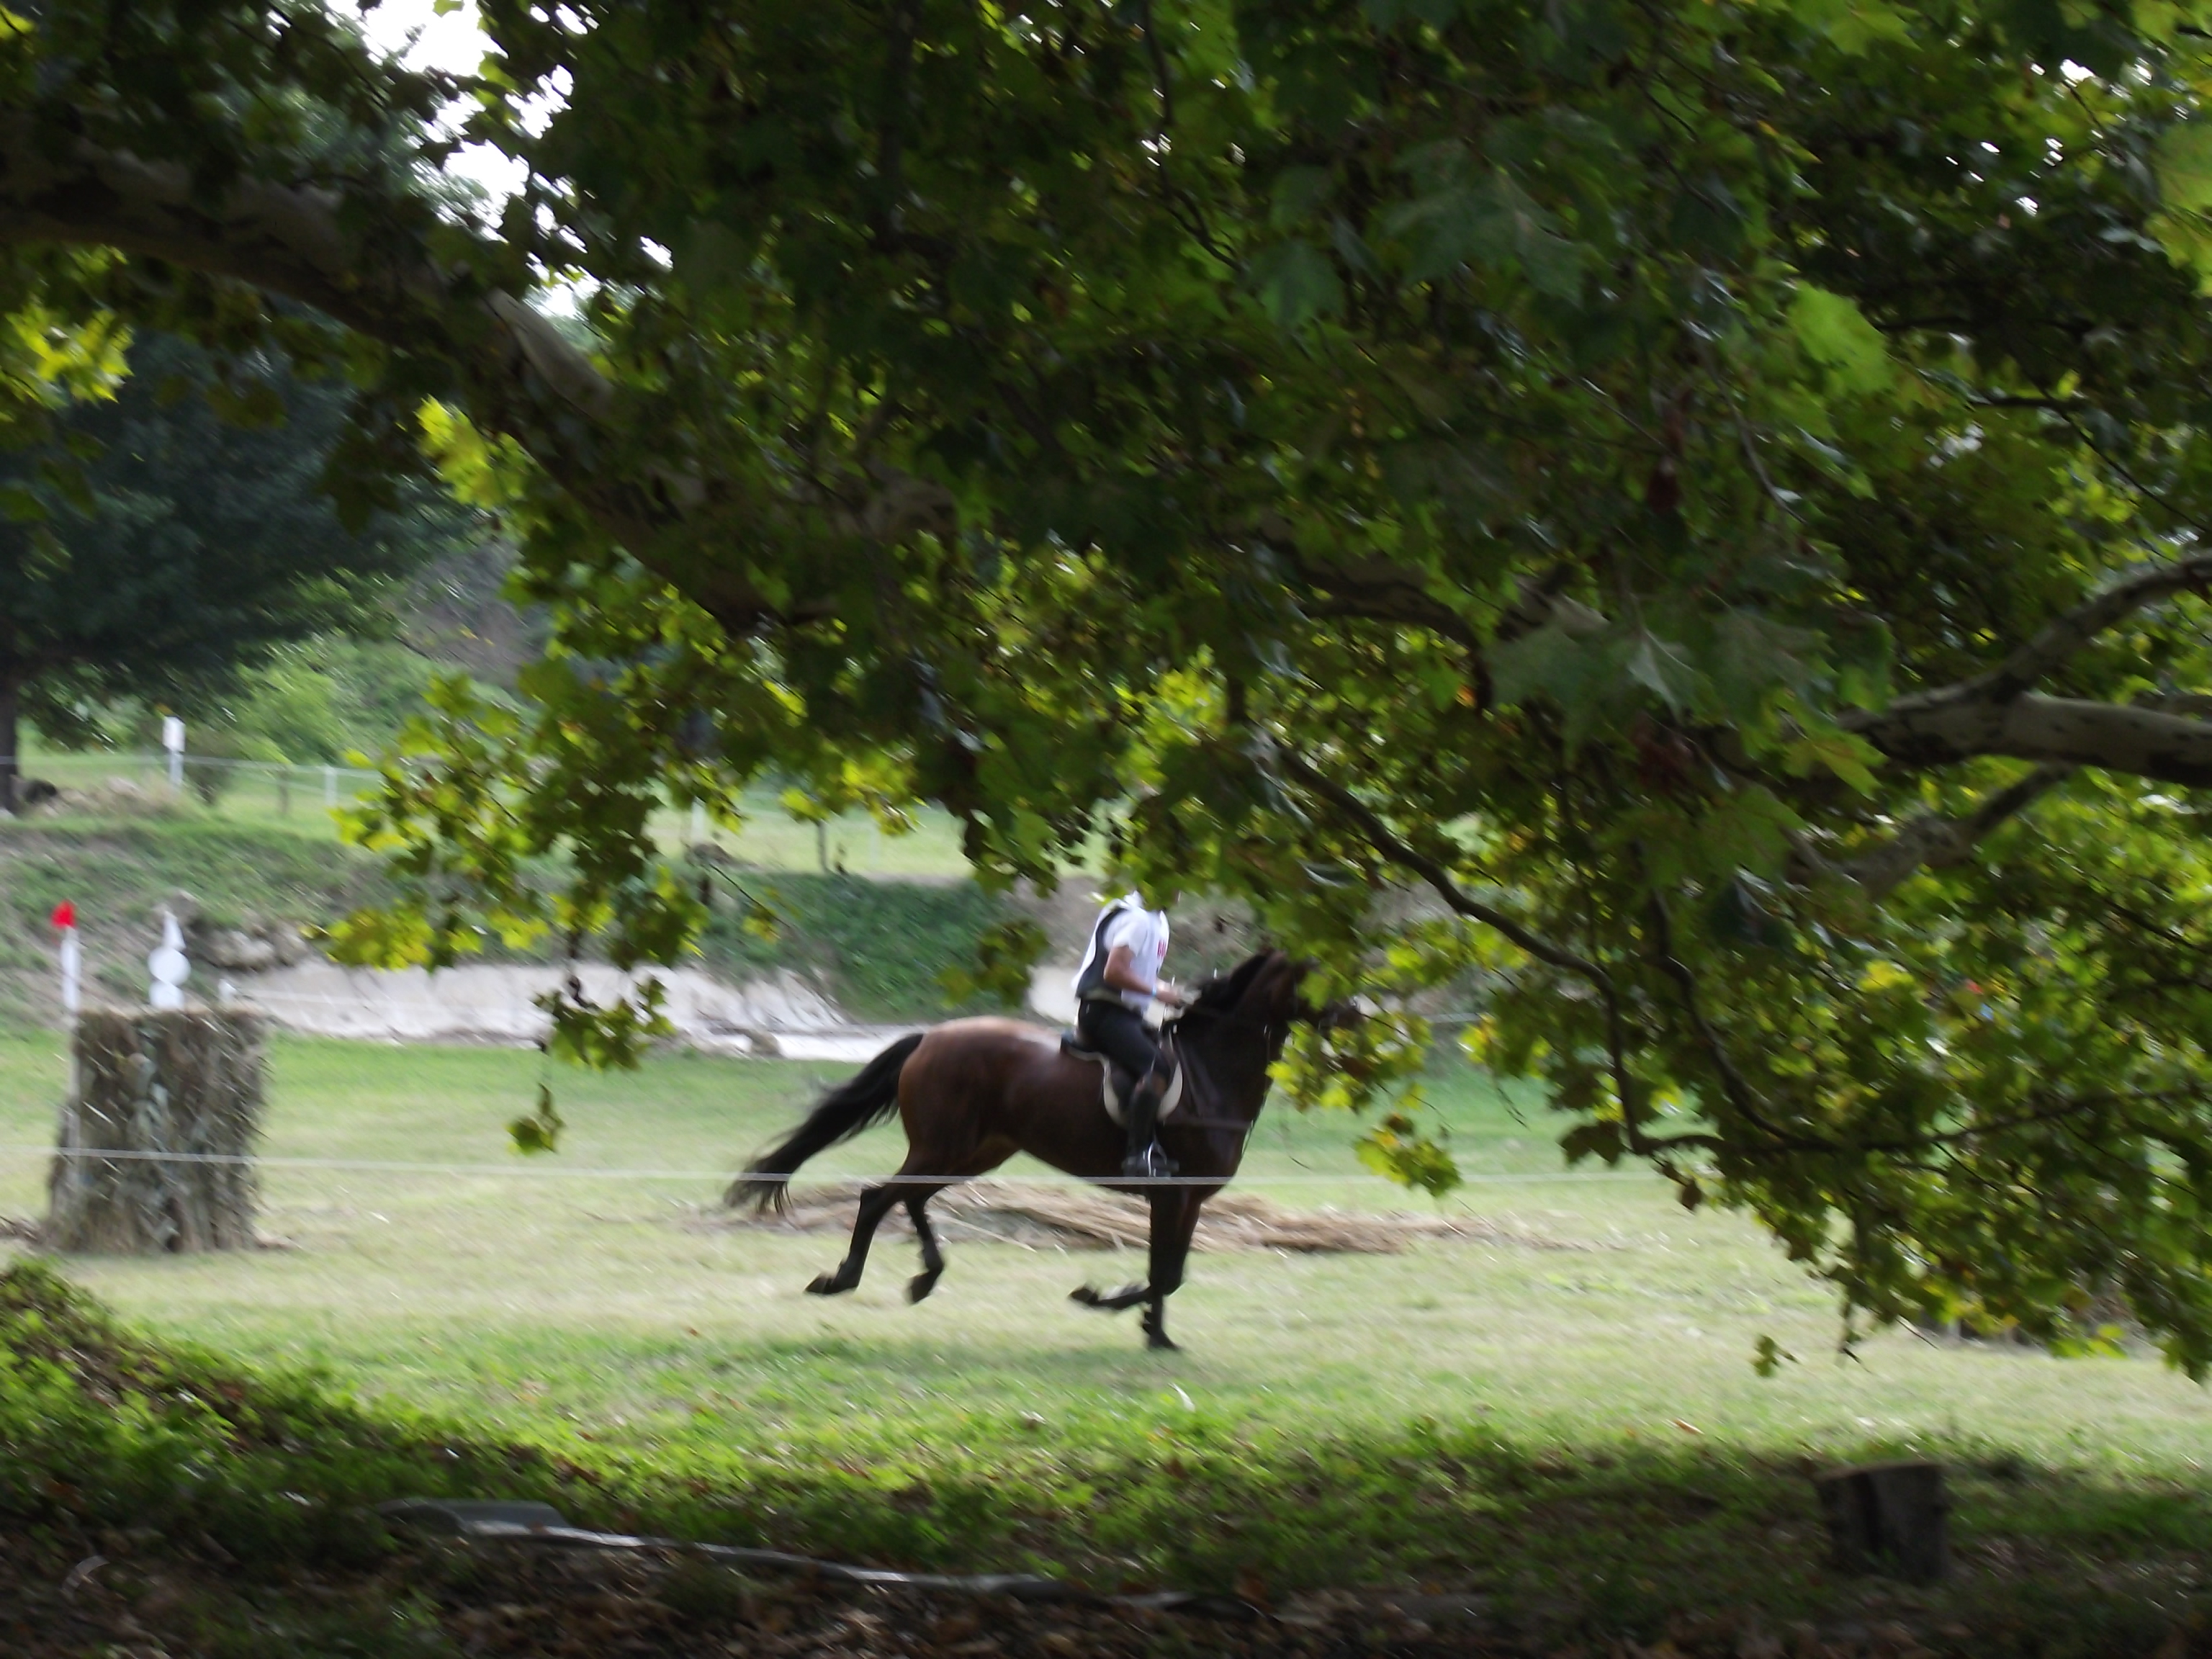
{"points": [[168, 965]]}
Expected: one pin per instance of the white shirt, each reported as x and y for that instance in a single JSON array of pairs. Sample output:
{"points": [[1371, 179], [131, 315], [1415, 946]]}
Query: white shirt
{"points": [[1145, 932]]}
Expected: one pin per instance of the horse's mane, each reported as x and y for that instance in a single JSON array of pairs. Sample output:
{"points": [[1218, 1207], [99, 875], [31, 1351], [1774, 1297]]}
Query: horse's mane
{"points": [[1221, 994]]}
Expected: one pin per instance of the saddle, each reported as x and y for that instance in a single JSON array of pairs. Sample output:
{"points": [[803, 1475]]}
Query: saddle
{"points": [[1115, 1083]]}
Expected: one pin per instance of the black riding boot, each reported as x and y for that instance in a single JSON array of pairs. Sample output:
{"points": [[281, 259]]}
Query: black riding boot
{"points": [[1144, 1157]]}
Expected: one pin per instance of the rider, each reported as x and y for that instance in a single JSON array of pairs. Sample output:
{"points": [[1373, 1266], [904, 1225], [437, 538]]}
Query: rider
{"points": [[1120, 977]]}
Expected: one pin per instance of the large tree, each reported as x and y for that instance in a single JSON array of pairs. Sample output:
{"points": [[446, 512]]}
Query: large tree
{"points": [[1709, 492], [172, 533]]}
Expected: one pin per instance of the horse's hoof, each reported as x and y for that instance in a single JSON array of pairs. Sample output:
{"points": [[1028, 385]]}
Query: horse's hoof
{"points": [[1160, 1342], [920, 1287], [826, 1285], [1084, 1294]]}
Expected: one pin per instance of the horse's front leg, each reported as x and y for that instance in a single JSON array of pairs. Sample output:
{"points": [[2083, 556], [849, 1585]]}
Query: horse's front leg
{"points": [[1110, 1301], [1175, 1219]]}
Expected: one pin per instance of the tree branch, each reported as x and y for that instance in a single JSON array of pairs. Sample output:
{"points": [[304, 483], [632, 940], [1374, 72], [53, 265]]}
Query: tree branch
{"points": [[2056, 643], [1996, 714], [1742, 1096], [1393, 846], [1943, 727], [1382, 592], [1386, 841], [2168, 738], [373, 272], [1933, 841]]}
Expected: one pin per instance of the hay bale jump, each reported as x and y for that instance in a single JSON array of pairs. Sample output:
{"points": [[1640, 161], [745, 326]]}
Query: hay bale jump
{"points": [[176, 1094], [1073, 1217]]}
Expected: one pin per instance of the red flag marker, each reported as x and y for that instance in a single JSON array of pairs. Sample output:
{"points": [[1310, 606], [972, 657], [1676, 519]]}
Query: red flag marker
{"points": [[72, 961]]}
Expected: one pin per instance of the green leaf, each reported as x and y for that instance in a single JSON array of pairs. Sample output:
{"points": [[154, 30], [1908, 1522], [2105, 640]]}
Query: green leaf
{"points": [[1749, 829], [1299, 193], [1661, 667], [539, 1130], [1551, 260], [1546, 659], [1492, 220], [1853, 25], [1297, 283], [1850, 757], [2182, 159], [1599, 1139], [1836, 334], [1006, 956], [1397, 1151]]}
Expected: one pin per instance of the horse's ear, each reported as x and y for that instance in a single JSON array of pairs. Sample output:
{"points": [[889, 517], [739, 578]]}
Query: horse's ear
{"points": [[1241, 975], [1285, 973]]}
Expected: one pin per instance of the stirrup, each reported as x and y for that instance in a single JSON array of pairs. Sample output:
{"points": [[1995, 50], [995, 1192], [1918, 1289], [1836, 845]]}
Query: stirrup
{"points": [[1151, 1164]]}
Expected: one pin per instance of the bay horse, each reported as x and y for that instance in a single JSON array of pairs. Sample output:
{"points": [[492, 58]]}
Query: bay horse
{"points": [[973, 1092]]}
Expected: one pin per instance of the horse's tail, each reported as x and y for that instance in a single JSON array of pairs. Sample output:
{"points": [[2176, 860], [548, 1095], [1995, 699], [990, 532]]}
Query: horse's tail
{"points": [[844, 1112]]}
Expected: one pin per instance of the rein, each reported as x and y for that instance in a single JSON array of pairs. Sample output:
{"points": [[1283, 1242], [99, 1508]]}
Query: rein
{"points": [[1243, 1125]]}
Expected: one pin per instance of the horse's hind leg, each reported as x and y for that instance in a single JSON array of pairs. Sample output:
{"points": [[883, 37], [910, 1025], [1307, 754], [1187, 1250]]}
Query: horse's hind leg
{"points": [[932, 1259], [876, 1203]]}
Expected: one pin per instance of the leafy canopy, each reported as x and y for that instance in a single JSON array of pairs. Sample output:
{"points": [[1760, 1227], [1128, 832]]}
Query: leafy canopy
{"points": [[1707, 492]]}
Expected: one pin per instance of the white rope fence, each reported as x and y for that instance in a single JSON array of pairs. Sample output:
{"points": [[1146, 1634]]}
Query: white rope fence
{"points": [[811, 1177]]}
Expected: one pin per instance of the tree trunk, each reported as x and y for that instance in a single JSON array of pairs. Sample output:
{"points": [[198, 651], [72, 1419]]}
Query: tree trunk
{"points": [[11, 760], [178, 1093]]}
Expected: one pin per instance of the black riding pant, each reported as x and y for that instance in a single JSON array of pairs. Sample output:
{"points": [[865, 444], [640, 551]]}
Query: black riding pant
{"points": [[1118, 1032]]}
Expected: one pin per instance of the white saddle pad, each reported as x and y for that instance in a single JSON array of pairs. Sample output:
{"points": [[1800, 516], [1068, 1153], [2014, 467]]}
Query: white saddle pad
{"points": [[1116, 1108]]}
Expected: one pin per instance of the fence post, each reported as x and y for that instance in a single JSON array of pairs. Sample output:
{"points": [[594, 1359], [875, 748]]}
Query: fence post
{"points": [[172, 739], [331, 788], [72, 966], [1888, 1518], [284, 791]]}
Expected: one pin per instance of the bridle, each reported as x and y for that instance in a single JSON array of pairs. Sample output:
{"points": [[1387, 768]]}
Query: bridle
{"points": [[1265, 1027]]}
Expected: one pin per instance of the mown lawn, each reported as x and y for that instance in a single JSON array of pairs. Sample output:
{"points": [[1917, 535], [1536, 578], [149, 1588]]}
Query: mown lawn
{"points": [[1568, 1419]]}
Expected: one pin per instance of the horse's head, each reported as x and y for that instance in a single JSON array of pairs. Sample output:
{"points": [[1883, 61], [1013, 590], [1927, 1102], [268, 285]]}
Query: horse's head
{"points": [[1331, 1016], [1263, 990]]}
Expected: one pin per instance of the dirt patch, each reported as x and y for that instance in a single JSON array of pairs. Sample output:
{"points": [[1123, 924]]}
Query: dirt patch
{"points": [[1086, 1218]]}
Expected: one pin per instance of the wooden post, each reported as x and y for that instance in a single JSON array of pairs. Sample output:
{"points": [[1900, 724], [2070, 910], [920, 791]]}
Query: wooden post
{"points": [[179, 1093], [1888, 1518]]}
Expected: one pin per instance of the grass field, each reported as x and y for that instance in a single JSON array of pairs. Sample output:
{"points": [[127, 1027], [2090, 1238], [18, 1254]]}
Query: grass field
{"points": [[1332, 1414]]}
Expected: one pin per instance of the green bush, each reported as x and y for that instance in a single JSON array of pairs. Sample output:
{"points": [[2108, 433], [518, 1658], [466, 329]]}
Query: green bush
{"points": [[881, 948]]}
